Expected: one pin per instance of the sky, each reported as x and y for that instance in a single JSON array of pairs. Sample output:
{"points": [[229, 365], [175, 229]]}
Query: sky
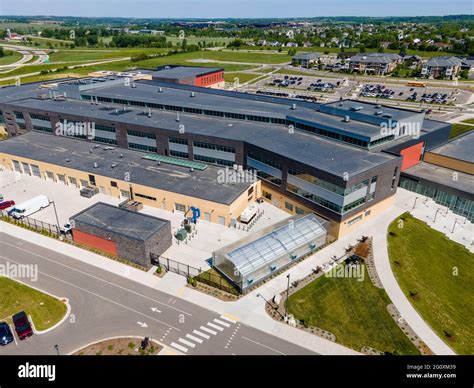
{"points": [[235, 8]]}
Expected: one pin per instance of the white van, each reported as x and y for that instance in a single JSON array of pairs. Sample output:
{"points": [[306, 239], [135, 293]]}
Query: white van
{"points": [[29, 207]]}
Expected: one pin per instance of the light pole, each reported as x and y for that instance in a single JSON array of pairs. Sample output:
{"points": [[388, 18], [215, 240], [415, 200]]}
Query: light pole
{"points": [[455, 222], [287, 295], [414, 204], [437, 210], [56, 214], [57, 348]]}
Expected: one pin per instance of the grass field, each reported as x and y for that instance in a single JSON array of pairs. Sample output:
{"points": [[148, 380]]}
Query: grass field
{"points": [[458, 129], [78, 55], [425, 262], [355, 311], [45, 310], [242, 77], [468, 121], [10, 57]]}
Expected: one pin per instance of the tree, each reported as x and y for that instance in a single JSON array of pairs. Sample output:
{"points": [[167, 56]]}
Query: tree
{"points": [[362, 49]]}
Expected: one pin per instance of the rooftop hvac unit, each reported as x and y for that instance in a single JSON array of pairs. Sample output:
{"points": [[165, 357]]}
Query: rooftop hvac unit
{"points": [[114, 165], [96, 165], [177, 116], [160, 90], [347, 119], [121, 156], [134, 85], [192, 94], [293, 106]]}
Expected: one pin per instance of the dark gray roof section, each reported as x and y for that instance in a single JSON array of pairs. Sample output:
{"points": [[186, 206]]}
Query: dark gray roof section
{"points": [[333, 157], [368, 109], [181, 72], [76, 154], [443, 176], [307, 56], [461, 148], [382, 58], [137, 226], [446, 61]]}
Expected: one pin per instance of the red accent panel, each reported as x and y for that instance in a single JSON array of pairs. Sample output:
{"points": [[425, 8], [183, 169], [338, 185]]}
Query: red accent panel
{"points": [[93, 241], [411, 155], [209, 79]]}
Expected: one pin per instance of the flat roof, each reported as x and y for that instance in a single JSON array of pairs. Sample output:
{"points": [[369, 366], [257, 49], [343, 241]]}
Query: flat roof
{"points": [[442, 175], [181, 72], [81, 155], [461, 148], [134, 225], [333, 157]]}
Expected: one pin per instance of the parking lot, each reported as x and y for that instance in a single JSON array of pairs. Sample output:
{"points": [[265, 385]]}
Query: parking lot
{"points": [[67, 200], [310, 88], [426, 94]]}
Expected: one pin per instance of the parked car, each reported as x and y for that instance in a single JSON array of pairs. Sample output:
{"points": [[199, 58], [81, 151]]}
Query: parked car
{"points": [[6, 204], [6, 335], [22, 325], [67, 228]]}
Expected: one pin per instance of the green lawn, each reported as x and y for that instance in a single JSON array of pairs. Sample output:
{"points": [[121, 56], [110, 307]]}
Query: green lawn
{"points": [[355, 311], [78, 55], [242, 77], [458, 129], [10, 57], [45, 310], [468, 121], [424, 262]]}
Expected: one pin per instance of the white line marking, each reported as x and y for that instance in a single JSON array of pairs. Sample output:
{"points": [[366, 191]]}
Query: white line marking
{"points": [[215, 326], [183, 341], [197, 332], [208, 330], [179, 347], [228, 319], [98, 296], [13, 334], [265, 346], [92, 276], [196, 339], [221, 322]]}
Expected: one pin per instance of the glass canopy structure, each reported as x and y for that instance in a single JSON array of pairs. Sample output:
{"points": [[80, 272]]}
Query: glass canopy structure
{"points": [[254, 258]]}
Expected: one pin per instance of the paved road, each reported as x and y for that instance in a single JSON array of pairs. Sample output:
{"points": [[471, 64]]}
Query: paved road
{"points": [[106, 305]]}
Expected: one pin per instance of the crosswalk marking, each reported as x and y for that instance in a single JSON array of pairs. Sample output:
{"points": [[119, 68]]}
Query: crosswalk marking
{"points": [[215, 326], [179, 347], [198, 340], [183, 341], [221, 322], [208, 330], [197, 332]]}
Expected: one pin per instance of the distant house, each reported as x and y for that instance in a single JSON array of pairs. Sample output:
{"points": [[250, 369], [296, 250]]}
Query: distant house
{"points": [[374, 63], [306, 60], [442, 67], [412, 60]]}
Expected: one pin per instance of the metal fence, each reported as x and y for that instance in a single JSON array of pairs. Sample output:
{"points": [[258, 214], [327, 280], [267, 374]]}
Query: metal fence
{"points": [[36, 225], [207, 277]]}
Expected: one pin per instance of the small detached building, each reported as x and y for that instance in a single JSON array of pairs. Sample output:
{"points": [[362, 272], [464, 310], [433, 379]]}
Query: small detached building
{"points": [[123, 233], [306, 60], [254, 258], [208, 77]]}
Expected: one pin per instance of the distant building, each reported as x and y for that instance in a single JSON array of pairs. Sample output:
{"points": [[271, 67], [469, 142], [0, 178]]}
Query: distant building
{"points": [[442, 67], [210, 77], [374, 63], [306, 60]]}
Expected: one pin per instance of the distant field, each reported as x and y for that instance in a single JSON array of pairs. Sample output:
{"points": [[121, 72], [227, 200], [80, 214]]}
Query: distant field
{"points": [[195, 40], [78, 55], [9, 59]]}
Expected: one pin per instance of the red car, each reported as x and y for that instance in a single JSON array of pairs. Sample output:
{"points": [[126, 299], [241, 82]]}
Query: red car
{"points": [[6, 204], [22, 325]]}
